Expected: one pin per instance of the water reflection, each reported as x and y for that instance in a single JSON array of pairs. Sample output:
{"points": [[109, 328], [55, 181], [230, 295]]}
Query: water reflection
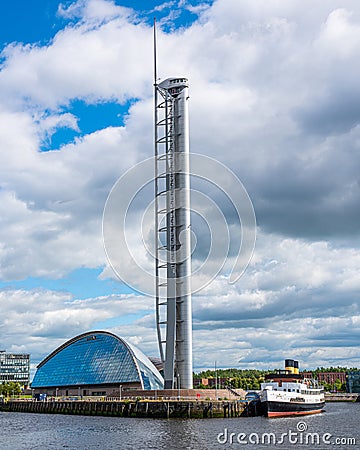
{"points": [[40, 431]]}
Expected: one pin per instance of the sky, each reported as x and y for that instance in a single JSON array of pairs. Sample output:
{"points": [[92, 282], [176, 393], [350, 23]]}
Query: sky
{"points": [[274, 95]]}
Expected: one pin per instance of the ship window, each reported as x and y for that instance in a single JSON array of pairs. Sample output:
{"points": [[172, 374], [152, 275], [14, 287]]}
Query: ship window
{"points": [[297, 390]]}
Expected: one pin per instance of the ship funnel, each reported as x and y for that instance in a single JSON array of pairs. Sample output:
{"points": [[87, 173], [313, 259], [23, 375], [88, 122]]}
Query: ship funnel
{"points": [[289, 366], [296, 367]]}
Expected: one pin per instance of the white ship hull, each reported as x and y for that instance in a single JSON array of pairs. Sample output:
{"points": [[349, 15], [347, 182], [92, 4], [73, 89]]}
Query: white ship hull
{"points": [[289, 395], [281, 403]]}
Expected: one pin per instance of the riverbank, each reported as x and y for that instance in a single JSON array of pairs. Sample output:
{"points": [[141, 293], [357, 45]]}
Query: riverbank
{"points": [[137, 408], [341, 397], [141, 407]]}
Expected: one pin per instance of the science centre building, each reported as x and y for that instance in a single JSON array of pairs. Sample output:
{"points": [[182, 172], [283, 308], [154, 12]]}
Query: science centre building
{"points": [[95, 363]]}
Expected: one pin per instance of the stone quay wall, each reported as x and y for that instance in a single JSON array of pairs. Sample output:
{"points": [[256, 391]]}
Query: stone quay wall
{"points": [[140, 408]]}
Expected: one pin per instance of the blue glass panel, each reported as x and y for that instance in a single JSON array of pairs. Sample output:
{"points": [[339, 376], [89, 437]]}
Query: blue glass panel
{"points": [[93, 359], [149, 374], [150, 379]]}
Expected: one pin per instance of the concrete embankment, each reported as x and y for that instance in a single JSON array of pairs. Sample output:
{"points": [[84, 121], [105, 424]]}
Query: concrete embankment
{"points": [[140, 408], [341, 397]]}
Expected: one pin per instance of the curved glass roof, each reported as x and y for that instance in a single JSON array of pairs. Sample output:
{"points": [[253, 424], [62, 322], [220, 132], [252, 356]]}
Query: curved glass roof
{"points": [[96, 357]]}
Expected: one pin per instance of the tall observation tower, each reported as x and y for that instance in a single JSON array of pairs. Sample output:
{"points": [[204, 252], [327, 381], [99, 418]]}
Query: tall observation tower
{"points": [[172, 225]]}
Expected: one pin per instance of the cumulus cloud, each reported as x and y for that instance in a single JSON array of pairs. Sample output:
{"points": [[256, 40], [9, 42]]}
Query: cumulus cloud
{"points": [[274, 95], [94, 10], [87, 62], [48, 317]]}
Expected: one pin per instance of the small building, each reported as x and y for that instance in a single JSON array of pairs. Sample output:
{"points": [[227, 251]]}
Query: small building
{"points": [[353, 382], [307, 375], [15, 367], [201, 382], [218, 382], [95, 363], [331, 377]]}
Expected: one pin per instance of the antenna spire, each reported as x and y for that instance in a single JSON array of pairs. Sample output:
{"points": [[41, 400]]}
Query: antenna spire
{"points": [[155, 55]]}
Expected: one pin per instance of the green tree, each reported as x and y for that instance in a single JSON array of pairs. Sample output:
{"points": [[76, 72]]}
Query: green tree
{"points": [[338, 385], [327, 387], [10, 389]]}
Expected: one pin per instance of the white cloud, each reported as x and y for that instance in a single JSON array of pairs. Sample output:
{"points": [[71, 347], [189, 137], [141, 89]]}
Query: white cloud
{"points": [[49, 124], [93, 10], [274, 94], [81, 62], [339, 37], [39, 320]]}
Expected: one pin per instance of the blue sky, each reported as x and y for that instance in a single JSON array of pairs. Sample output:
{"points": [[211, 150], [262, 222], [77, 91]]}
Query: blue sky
{"points": [[273, 95], [90, 118], [29, 22], [37, 23]]}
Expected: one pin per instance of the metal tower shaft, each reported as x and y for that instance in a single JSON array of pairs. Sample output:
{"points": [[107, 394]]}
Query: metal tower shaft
{"points": [[172, 222]]}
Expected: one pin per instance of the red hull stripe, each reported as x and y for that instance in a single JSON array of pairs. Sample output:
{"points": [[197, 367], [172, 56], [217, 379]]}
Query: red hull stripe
{"points": [[293, 413]]}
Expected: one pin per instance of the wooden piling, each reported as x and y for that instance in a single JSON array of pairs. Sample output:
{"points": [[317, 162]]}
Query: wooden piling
{"points": [[132, 408]]}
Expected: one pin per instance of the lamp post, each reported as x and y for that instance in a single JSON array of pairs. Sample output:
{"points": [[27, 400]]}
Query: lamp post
{"points": [[216, 393], [120, 391], [56, 393], [178, 384]]}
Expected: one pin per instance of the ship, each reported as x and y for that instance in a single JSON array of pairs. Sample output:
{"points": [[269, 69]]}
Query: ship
{"points": [[288, 393]]}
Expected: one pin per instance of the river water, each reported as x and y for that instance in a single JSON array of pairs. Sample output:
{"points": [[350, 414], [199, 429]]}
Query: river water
{"points": [[336, 428]]}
